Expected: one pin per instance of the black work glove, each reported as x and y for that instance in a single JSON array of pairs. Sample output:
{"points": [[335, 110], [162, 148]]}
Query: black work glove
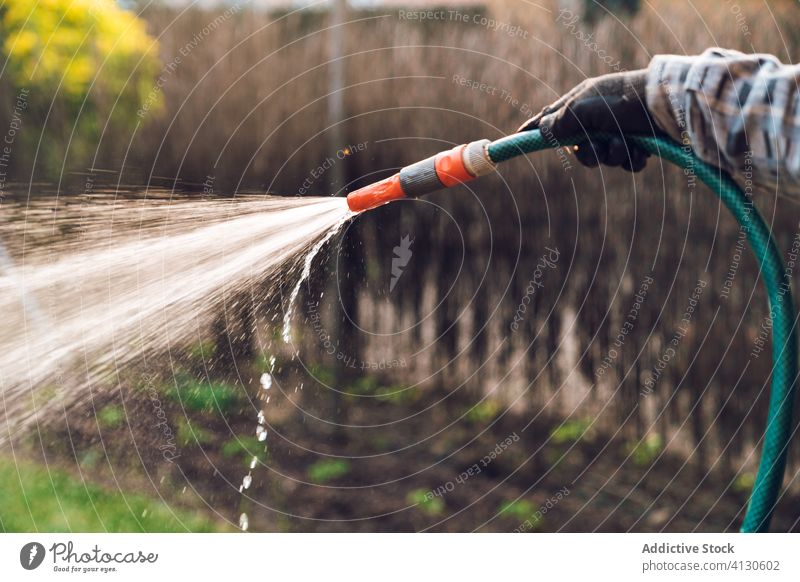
{"points": [[613, 104]]}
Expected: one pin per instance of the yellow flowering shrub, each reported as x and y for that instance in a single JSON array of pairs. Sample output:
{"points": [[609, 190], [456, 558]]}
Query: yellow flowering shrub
{"points": [[91, 57]]}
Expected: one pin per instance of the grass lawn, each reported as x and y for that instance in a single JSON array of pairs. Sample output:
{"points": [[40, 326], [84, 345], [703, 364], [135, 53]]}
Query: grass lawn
{"points": [[35, 499]]}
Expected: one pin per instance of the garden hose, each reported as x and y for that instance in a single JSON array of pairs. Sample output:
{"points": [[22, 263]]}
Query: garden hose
{"points": [[468, 161]]}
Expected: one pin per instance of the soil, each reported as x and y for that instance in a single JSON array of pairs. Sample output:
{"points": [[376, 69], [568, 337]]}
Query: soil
{"points": [[412, 461]]}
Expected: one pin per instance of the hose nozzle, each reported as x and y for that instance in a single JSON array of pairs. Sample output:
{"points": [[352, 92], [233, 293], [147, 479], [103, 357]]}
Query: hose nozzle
{"points": [[376, 194], [456, 166]]}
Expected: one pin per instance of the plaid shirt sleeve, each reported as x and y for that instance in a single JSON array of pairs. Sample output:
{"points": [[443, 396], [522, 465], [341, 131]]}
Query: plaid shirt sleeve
{"points": [[739, 112]]}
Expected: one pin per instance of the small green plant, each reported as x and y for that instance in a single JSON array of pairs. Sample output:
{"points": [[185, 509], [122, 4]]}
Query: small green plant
{"points": [[483, 412], [426, 502], [202, 351], [645, 451], [264, 363], [189, 433], [245, 447], [381, 442], [744, 482], [572, 431], [369, 386], [520, 510], [111, 417], [89, 459], [326, 470], [322, 374], [363, 385], [396, 394], [205, 397], [47, 393]]}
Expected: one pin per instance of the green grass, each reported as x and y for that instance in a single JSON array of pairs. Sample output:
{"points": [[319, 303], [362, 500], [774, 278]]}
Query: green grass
{"points": [[35, 499], [326, 470], [199, 396]]}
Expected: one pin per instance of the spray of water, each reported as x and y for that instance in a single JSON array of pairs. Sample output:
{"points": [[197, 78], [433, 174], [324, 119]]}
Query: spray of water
{"points": [[304, 274], [87, 289]]}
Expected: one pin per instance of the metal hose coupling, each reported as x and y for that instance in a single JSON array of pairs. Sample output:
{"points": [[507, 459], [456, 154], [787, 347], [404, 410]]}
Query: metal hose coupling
{"points": [[456, 166]]}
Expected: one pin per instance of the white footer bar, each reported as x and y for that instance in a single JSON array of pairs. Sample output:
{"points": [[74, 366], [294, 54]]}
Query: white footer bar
{"points": [[389, 557]]}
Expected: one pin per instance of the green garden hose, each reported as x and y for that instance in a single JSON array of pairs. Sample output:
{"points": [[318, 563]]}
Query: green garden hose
{"points": [[778, 432], [469, 161]]}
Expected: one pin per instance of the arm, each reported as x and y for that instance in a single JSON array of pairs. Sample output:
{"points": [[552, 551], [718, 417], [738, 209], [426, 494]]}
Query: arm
{"points": [[739, 112]]}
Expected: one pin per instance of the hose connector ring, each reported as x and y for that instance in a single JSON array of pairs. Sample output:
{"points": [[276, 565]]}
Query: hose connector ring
{"points": [[476, 158]]}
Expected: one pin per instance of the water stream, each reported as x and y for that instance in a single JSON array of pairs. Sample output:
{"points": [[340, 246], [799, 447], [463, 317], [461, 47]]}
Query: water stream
{"points": [[89, 285]]}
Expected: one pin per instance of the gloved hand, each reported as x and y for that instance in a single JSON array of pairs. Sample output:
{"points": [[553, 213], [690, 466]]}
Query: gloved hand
{"points": [[612, 103]]}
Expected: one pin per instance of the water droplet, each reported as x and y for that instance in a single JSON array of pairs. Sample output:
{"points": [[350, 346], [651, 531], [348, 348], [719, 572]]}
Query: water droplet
{"points": [[261, 433], [247, 481], [261, 419], [266, 381], [271, 363], [254, 462], [244, 523]]}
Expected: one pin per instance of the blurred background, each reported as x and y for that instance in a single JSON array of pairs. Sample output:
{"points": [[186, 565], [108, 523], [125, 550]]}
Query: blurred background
{"points": [[501, 355]]}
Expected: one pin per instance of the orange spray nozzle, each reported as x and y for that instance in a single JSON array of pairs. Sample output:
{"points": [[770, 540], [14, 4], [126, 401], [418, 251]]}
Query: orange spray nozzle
{"points": [[376, 194], [449, 168]]}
